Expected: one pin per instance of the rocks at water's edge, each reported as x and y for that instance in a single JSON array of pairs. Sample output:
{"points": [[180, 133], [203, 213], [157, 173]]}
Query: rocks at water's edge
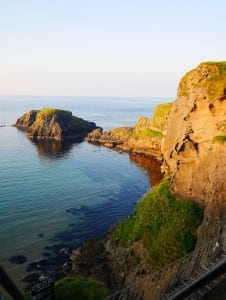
{"points": [[143, 139], [54, 124]]}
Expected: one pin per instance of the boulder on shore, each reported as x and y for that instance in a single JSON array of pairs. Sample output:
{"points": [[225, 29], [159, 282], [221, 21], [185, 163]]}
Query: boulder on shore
{"points": [[54, 124]]}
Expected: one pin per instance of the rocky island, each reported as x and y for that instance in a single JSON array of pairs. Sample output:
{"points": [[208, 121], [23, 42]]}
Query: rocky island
{"points": [[54, 124]]}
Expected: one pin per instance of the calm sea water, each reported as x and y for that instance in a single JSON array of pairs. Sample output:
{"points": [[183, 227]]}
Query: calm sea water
{"points": [[54, 195]]}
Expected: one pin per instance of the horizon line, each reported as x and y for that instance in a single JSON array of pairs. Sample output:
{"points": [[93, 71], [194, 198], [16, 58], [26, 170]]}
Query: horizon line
{"points": [[84, 96]]}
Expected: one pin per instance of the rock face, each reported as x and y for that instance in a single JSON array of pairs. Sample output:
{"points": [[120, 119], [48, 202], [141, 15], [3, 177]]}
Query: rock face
{"points": [[54, 124], [193, 144], [193, 147]]}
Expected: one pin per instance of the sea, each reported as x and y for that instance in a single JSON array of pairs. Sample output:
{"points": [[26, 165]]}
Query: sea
{"points": [[57, 195]]}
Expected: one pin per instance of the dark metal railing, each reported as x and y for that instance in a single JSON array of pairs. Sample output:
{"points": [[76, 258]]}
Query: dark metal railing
{"points": [[9, 285], [181, 278]]}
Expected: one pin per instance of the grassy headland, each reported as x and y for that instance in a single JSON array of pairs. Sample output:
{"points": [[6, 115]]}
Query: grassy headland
{"points": [[165, 224]]}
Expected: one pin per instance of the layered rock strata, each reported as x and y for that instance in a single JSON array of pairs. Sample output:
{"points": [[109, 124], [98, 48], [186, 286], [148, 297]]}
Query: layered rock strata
{"points": [[194, 147]]}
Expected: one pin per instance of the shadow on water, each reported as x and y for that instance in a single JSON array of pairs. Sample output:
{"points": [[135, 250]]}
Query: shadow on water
{"points": [[89, 222], [53, 149], [151, 166]]}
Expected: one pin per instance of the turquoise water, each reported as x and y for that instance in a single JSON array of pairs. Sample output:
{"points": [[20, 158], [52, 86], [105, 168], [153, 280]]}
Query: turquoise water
{"points": [[54, 195]]}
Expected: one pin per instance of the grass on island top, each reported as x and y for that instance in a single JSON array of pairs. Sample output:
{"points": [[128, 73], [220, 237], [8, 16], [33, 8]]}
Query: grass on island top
{"points": [[165, 224], [52, 111]]}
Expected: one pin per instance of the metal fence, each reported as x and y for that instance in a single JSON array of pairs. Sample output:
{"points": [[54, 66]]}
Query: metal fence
{"points": [[167, 282]]}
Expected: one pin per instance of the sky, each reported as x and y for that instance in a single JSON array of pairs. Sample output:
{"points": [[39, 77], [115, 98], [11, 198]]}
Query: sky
{"points": [[106, 47]]}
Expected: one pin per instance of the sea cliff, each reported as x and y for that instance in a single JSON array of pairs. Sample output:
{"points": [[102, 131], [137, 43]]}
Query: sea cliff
{"points": [[191, 144], [194, 145]]}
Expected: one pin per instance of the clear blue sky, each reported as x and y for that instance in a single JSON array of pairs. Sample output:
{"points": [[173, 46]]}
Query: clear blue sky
{"points": [[108, 47]]}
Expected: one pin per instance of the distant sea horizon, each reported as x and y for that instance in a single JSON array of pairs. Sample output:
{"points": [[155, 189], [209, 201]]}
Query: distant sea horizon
{"points": [[58, 195]]}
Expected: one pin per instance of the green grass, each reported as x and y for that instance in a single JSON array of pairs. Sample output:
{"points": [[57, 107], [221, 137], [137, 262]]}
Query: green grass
{"points": [[165, 224], [52, 111], [80, 288], [148, 133], [215, 83], [220, 138], [77, 288], [160, 115]]}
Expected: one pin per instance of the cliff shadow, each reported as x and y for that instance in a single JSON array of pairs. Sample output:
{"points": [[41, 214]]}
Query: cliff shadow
{"points": [[151, 166]]}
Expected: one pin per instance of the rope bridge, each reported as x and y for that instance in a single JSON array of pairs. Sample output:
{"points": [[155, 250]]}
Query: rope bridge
{"points": [[190, 277]]}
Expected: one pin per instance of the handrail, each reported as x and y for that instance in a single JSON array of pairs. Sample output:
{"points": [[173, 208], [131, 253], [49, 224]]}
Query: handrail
{"points": [[181, 277], [9, 285]]}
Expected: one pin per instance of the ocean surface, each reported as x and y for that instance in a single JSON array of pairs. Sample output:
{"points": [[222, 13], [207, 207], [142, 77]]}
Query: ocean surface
{"points": [[56, 195]]}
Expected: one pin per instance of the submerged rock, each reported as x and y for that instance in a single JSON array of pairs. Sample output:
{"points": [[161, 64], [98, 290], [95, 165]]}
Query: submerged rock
{"points": [[54, 124], [18, 259]]}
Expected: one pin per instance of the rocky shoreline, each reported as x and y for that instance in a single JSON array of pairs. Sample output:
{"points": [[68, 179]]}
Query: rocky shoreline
{"points": [[143, 139], [149, 149]]}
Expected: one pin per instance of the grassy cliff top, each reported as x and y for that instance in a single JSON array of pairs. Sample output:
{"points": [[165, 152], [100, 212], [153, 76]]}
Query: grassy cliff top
{"points": [[157, 122], [220, 64], [210, 76], [164, 223]]}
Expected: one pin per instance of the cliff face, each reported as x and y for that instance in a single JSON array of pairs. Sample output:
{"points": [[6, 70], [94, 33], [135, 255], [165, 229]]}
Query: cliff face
{"points": [[54, 124], [194, 150], [193, 143]]}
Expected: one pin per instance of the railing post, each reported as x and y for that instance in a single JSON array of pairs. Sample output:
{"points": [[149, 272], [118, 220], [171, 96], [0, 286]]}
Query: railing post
{"points": [[9, 285]]}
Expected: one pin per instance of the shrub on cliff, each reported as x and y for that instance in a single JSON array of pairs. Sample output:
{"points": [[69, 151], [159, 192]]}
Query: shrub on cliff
{"points": [[220, 138], [77, 288], [80, 288], [165, 224]]}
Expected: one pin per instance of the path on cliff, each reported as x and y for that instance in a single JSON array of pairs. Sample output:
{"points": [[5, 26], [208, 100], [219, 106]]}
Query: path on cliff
{"points": [[191, 277]]}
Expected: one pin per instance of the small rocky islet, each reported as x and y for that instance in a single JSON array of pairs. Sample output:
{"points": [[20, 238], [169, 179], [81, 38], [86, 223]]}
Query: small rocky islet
{"points": [[188, 138], [54, 125]]}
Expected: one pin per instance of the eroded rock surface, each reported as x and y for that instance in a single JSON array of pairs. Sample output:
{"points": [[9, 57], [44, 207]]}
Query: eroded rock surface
{"points": [[193, 144]]}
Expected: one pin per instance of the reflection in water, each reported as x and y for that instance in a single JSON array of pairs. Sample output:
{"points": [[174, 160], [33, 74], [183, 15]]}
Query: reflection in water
{"points": [[53, 149], [152, 167]]}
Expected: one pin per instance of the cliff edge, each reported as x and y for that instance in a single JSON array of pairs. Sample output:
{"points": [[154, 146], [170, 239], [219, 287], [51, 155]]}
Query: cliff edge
{"points": [[194, 143], [193, 149]]}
